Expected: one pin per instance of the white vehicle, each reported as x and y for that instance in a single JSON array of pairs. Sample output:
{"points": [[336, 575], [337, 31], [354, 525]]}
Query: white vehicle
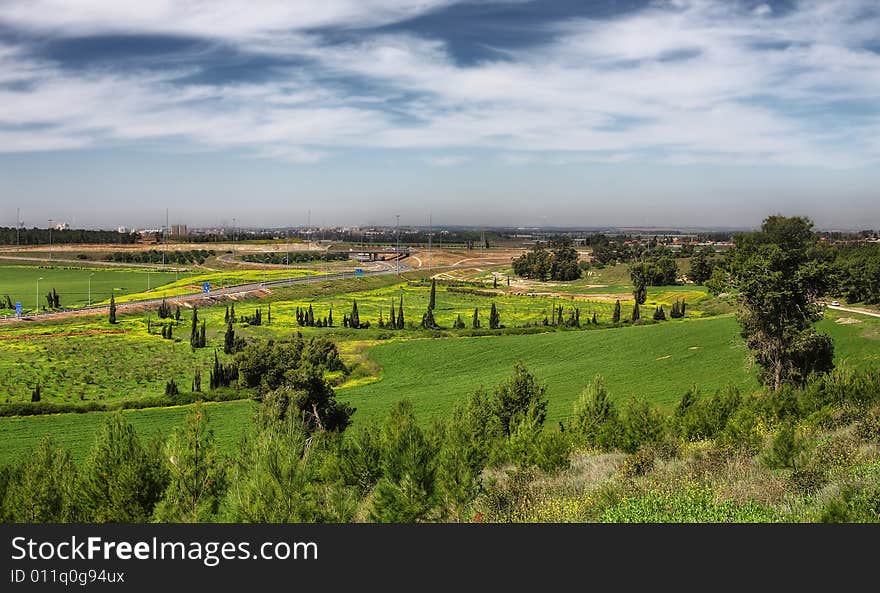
{"points": [[835, 304]]}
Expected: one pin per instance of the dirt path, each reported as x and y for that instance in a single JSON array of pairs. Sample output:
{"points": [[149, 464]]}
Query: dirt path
{"points": [[853, 310]]}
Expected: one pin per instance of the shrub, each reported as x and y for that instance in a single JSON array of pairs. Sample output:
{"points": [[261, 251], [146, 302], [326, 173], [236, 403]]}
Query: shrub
{"points": [[641, 423]]}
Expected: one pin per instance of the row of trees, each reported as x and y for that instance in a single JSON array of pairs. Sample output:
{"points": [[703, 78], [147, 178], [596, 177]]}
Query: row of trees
{"points": [[35, 236], [155, 256], [559, 263]]}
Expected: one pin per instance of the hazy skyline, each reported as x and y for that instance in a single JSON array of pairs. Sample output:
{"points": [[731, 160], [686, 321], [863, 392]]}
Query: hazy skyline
{"points": [[490, 112]]}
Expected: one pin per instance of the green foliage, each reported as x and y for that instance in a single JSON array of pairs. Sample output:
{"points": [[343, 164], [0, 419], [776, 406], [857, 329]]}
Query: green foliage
{"points": [[560, 264], [518, 399], [121, 480], [112, 317], [641, 423], [596, 421], [789, 449], [698, 417], [196, 473], [494, 318], [696, 504], [779, 285], [41, 488], [406, 491]]}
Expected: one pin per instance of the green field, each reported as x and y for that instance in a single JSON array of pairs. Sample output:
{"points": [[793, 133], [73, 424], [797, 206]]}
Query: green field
{"points": [[72, 284], [659, 362], [77, 431]]}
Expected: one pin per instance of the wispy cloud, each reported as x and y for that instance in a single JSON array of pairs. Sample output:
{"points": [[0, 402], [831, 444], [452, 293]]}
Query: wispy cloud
{"points": [[678, 82]]}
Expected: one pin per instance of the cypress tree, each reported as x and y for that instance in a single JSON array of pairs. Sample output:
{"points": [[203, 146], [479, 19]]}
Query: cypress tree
{"points": [[232, 313], [494, 318], [112, 309], [345, 321], [197, 381], [635, 312], [577, 317], [475, 321], [229, 339], [269, 315], [433, 300], [226, 318], [194, 329], [310, 317], [400, 320], [683, 305], [459, 324], [428, 319], [354, 319], [392, 322], [595, 319], [494, 281], [177, 314], [202, 339], [330, 318], [615, 317]]}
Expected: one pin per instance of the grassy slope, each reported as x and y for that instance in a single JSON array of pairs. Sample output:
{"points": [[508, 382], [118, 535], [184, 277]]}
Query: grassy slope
{"points": [[77, 431]]}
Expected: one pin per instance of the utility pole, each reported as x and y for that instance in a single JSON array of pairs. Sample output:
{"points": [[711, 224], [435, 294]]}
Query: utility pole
{"points": [[50, 239], [18, 229], [430, 236], [233, 239], [37, 307], [398, 243], [90, 288]]}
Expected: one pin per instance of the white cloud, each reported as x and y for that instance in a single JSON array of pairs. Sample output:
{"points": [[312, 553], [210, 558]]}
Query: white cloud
{"points": [[692, 81]]}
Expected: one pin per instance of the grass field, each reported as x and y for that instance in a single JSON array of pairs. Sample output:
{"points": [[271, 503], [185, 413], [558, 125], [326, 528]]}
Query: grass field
{"points": [[72, 284], [659, 363], [77, 431]]}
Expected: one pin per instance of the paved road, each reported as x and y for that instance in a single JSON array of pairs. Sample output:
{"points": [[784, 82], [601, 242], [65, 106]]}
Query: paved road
{"points": [[852, 310]]}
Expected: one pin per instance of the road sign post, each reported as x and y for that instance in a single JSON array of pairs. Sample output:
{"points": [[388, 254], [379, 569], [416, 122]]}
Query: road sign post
{"points": [[358, 272], [18, 309], [206, 287]]}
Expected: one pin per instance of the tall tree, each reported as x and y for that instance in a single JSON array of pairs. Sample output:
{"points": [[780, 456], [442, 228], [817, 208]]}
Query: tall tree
{"points": [[779, 282], [194, 340], [196, 473], [494, 318], [121, 480], [112, 309], [475, 320], [354, 319], [636, 315], [615, 317], [400, 320]]}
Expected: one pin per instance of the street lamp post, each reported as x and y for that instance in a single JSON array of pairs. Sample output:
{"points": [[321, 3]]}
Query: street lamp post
{"points": [[37, 303], [90, 288], [398, 243], [50, 238], [233, 239]]}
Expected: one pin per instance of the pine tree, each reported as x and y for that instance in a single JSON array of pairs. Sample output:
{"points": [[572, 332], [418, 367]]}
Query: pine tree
{"points": [[112, 309], [635, 312], [354, 319], [433, 299], [475, 320], [615, 317], [400, 320], [494, 318], [194, 329]]}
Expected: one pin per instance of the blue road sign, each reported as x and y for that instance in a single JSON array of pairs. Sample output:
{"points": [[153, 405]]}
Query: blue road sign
{"points": [[18, 309], [358, 272], [206, 287]]}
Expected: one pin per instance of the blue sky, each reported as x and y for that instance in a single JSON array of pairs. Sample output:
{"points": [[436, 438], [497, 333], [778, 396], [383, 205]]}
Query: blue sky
{"points": [[686, 113]]}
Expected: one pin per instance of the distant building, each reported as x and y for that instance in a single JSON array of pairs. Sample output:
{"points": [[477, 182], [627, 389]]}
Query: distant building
{"points": [[179, 230], [123, 230], [62, 226]]}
